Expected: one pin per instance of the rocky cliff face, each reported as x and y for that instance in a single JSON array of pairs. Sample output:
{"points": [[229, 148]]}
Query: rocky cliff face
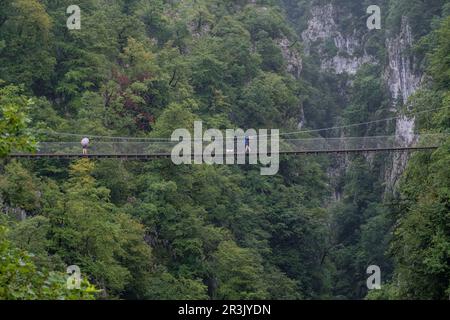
{"points": [[400, 74], [291, 56], [402, 81], [349, 54], [323, 32]]}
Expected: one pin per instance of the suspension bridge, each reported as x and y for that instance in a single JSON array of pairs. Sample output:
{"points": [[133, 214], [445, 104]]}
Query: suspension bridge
{"points": [[134, 148]]}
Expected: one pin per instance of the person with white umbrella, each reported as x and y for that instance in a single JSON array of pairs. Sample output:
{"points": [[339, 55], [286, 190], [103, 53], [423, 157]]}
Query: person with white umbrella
{"points": [[85, 144]]}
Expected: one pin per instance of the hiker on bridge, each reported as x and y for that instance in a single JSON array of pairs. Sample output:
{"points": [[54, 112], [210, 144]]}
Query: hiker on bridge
{"points": [[85, 144], [247, 144]]}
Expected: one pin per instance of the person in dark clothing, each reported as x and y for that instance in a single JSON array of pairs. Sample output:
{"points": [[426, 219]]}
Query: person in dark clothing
{"points": [[247, 144]]}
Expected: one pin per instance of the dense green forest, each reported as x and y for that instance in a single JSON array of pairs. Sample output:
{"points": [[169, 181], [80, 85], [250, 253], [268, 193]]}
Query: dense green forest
{"points": [[153, 230]]}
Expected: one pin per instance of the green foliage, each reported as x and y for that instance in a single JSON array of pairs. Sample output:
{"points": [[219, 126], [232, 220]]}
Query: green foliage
{"points": [[90, 232], [268, 100], [165, 286], [439, 62], [421, 243], [239, 273], [19, 188], [21, 280], [361, 230], [369, 101], [25, 28], [417, 12], [158, 231], [14, 121]]}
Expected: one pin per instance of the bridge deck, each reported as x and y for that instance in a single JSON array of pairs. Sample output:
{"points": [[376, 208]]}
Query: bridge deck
{"points": [[147, 149], [168, 155]]}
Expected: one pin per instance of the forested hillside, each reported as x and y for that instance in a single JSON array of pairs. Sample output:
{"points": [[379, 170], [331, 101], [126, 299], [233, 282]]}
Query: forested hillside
{"points": [[153, 230]]}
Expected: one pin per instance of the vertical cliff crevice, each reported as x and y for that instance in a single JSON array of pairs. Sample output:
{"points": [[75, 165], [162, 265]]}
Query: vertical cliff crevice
{"points": [[402, 80], [334, 36]]}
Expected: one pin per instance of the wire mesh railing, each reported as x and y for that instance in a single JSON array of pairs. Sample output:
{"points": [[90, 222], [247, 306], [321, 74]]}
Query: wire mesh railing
{"points": [[132, 147]]}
